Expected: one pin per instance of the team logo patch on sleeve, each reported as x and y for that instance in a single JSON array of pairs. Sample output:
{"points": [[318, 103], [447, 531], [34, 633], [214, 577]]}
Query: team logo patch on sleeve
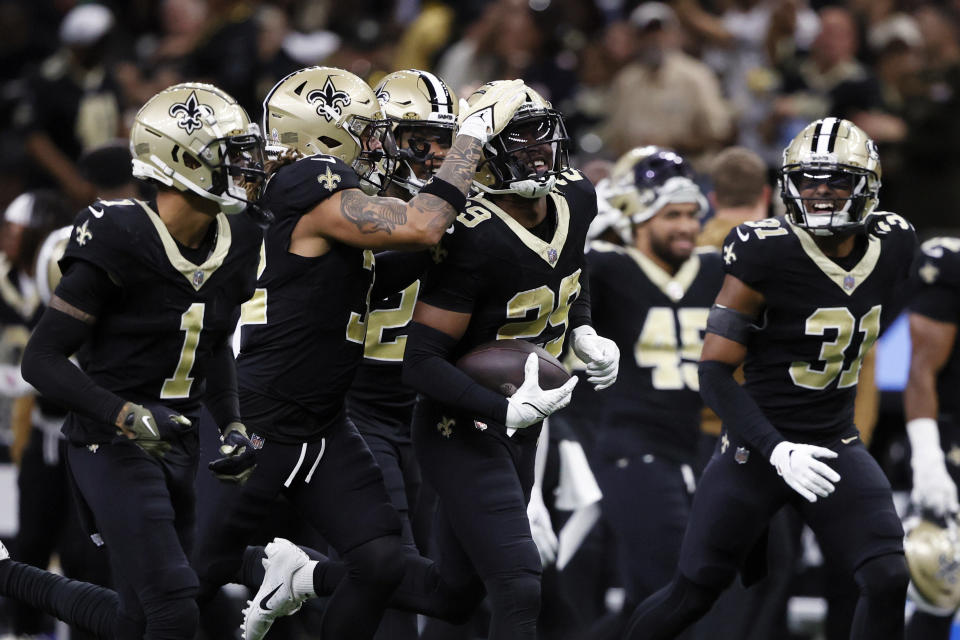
{"points": [[445, 426], [728, 255], [190, 112], [83, 233], [329, 180]]}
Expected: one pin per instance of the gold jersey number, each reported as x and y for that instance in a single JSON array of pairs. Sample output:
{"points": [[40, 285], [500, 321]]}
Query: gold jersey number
{"points": [[833, 352]]}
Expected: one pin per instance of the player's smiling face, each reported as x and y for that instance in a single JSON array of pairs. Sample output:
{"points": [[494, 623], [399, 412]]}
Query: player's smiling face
{"points": [[425, 148], [824, 192], [673, 232], [531, 145]]}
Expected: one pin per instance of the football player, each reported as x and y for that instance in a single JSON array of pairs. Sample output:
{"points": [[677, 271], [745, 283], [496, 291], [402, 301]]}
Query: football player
{"points": [[804, 297], [423, 112], [931, 409], [304, 331], [510, 269], [152, 291], [652, 298]]}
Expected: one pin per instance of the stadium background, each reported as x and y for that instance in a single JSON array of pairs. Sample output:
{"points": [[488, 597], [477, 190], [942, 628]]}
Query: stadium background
{"points": [[749, 72]]}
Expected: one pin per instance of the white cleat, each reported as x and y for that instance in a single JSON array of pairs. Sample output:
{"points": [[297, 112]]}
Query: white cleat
{"points": [[275, 598], [4, 554]]}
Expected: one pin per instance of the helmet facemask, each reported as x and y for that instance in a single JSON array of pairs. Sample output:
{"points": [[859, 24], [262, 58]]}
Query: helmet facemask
{"points": [[527, 156], [376, 161], [828, 198], [416, 161]]}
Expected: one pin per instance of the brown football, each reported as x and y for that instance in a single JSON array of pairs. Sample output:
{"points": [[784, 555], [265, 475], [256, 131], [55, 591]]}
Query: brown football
{"points": [[498, 365]]}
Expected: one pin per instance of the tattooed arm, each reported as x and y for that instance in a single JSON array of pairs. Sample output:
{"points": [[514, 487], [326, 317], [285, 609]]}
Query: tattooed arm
{"points": [[373, 222]]}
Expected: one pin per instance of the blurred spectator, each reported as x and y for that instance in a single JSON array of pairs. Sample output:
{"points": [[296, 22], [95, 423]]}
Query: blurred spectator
{"points": [[665, 97], [930, 171], [828, 81], [506, 42], [226, 55], [741, 44], [72, 103]]}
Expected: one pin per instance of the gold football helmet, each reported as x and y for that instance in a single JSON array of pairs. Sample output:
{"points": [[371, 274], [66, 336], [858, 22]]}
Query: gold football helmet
{"points": [[527, 156], [933, 557], [645, 179], [830, 177], [423, 110], [195, 137], [325, 110]]}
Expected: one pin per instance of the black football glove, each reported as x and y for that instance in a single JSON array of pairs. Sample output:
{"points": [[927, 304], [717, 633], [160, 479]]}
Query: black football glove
{"points": [[151, 427], [238, 457]]}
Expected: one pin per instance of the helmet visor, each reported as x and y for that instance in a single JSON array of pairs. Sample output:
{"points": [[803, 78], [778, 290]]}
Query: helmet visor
{"points": [[240, 171]]}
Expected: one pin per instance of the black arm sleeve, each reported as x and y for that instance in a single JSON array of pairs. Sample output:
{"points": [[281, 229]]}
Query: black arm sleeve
{"points": [[46, 359], [221, 397], [580, 310], [397, 270], [426, 369], [737, 410]]}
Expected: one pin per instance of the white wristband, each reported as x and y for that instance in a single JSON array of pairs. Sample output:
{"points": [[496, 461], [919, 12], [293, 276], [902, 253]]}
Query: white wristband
{"points": [[924, 436]]}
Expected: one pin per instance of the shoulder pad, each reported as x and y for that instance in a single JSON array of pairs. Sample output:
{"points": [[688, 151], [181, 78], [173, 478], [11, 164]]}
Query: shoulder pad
{"points": [[602, 246], [104, 233], [940, 263], [747, 248], [303, 184]]}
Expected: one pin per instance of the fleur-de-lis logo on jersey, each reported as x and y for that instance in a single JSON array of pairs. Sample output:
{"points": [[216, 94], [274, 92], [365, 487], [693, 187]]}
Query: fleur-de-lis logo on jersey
{"points": [[329, 180], [728, 255], [83, 234], [330, 101], [445, 426], [189, 113]]}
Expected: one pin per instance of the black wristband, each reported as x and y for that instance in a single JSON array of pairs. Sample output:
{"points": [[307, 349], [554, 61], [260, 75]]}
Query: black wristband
{"points": [[446, 192]]}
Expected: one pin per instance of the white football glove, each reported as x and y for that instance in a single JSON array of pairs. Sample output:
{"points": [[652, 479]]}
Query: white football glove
{"points": [[933, 488], [806, 475], [541, 528], [493, 106], [530, 404], [601, 355]]}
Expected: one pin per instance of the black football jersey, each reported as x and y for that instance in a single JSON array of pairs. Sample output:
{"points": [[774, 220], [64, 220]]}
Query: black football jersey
{"points": [[803, 364], [303, 331], [152, 343], [938, 297], [378, 400], [658, 321], [513, 283]]}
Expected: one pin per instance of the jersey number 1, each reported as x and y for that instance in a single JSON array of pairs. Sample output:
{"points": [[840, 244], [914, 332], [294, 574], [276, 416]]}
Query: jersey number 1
{"points": [[191, 323]]}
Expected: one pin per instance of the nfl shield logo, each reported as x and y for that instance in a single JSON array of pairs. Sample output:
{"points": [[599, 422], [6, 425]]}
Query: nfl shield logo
{"points": [[848, 283], [197, 278], [256, 441], [552, 255], [742, 455]]}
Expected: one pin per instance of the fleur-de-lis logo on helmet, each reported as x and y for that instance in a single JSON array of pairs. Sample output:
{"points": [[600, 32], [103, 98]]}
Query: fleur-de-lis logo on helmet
{"points": [[330, 100], [383, 96], [189, 113]]}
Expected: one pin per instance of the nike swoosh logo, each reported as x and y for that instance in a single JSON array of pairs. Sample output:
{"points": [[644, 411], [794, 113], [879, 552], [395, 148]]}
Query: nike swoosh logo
{"points": [[848, 440], [743, 236], [322, 159], [263, 603], [146, 422], [97, 213]]}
